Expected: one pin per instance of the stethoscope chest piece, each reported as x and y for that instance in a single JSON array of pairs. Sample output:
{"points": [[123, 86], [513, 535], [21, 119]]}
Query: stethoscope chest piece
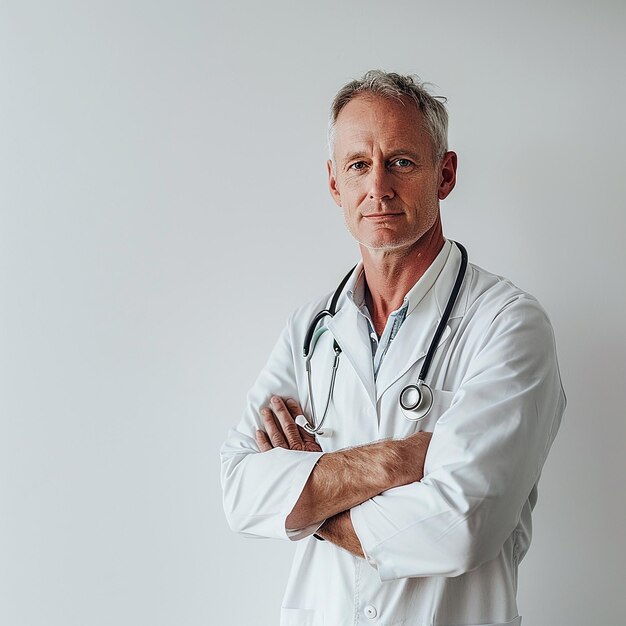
{"points": [[416, 401]]}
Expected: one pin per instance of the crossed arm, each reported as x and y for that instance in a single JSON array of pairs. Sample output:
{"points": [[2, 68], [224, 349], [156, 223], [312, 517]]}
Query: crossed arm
{"points": [[343, 479]]}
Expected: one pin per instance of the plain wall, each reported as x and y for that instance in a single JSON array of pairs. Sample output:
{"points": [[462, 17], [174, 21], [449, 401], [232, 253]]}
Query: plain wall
{"points": [[163, 208]]}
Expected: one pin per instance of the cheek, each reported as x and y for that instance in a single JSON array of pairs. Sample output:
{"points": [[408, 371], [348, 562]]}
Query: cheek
{"points": [[426, 201], [429, 212], [351, 198], [350, 188]]}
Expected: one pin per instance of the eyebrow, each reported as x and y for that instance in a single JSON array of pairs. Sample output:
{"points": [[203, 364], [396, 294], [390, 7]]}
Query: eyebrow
{"points": [[409, 153], [355, 155], [352, 156]]}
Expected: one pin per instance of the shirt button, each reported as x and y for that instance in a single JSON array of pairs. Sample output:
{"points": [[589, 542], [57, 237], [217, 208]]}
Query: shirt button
{"points": [[370, 611]]}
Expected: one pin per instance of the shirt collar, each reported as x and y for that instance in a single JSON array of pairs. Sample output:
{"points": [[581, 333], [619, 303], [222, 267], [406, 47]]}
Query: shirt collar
{"points": [[356, 292]]}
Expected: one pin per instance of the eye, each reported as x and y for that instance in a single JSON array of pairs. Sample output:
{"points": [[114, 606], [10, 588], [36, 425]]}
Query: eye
{"points": [[403, 163], [358, 166]]}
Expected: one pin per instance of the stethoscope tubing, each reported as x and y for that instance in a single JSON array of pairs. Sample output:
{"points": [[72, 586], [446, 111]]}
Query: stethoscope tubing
{"points": [[415, 410], [445, 318], [310, 339]]}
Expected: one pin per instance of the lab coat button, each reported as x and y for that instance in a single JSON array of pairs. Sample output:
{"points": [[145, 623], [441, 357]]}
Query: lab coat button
{"points": [[370, 611]]}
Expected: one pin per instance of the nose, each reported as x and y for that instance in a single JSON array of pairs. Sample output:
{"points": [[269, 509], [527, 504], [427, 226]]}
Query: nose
{"points": [[380, 183]]}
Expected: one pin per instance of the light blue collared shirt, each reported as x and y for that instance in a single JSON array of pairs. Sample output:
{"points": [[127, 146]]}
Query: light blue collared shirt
{"points": [[381, 344]]}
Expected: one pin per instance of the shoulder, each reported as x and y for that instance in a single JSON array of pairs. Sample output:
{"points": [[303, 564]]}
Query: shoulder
{"points": [[493, 294], [496, 307]]}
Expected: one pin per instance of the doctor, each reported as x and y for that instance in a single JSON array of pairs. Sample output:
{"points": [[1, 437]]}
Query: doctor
{"points": [[399, 521]]}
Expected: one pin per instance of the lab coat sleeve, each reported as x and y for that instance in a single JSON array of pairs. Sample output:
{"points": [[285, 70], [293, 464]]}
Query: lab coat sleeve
{"points": [[485, 456], [261, 488]]}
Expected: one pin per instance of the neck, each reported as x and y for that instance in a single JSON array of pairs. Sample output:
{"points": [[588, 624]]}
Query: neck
{"points": [[390, 274]]}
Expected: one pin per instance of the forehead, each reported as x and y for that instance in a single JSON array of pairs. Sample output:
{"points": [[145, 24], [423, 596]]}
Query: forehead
{"points": [[370, 122]]}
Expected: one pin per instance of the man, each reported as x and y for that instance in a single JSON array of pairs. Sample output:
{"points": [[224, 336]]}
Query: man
{"points": [[399, 521]]}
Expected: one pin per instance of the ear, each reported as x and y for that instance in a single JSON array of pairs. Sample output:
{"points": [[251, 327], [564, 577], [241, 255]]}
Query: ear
{"points": [[447, 175], [332, 183]]}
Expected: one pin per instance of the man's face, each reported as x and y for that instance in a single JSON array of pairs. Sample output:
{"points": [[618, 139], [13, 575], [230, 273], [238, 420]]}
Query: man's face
{"points": [[384, 176]]}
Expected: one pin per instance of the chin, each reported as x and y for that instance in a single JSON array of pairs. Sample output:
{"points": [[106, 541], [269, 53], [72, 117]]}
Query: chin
{"points": [[383, 239], [386, 245]]}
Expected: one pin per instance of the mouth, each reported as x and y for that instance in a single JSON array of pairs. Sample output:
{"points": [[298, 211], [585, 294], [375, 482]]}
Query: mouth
{"points": [[381, 217]]}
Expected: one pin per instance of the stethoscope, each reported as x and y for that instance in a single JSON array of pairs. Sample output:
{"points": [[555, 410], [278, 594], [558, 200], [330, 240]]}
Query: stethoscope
{"points": [[416, 401]]}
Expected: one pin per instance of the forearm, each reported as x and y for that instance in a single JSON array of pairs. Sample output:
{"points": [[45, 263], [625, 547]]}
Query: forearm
{"points": [[340, 531], [343, 479]]}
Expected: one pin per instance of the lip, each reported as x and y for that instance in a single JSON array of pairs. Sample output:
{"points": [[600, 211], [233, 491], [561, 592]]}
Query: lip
{"points": [[377, 217]]}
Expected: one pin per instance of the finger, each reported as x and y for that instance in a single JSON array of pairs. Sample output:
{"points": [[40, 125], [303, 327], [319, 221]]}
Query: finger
{"points": [[263, 441], [312, 446], [295, 409], [306, 436], [287, 423], [308, 439], [293, 406], [274, 432]]}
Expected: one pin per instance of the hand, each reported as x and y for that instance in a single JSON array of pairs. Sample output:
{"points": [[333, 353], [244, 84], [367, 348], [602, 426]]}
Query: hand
{"points": [[281, 430]]}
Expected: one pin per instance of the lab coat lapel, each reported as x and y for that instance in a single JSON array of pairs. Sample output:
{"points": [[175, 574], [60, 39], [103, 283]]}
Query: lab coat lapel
{"points": [[411, 343], [350, 332]]}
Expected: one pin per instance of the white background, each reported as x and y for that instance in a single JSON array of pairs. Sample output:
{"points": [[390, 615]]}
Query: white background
{"points": [[163, 208]]}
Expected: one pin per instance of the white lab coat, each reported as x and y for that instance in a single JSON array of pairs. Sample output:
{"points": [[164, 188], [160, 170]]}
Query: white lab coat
{"points": [[443, 551]]}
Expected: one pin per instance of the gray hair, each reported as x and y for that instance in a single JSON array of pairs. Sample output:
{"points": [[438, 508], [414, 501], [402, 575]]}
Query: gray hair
{"points": [[402, 88]]}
